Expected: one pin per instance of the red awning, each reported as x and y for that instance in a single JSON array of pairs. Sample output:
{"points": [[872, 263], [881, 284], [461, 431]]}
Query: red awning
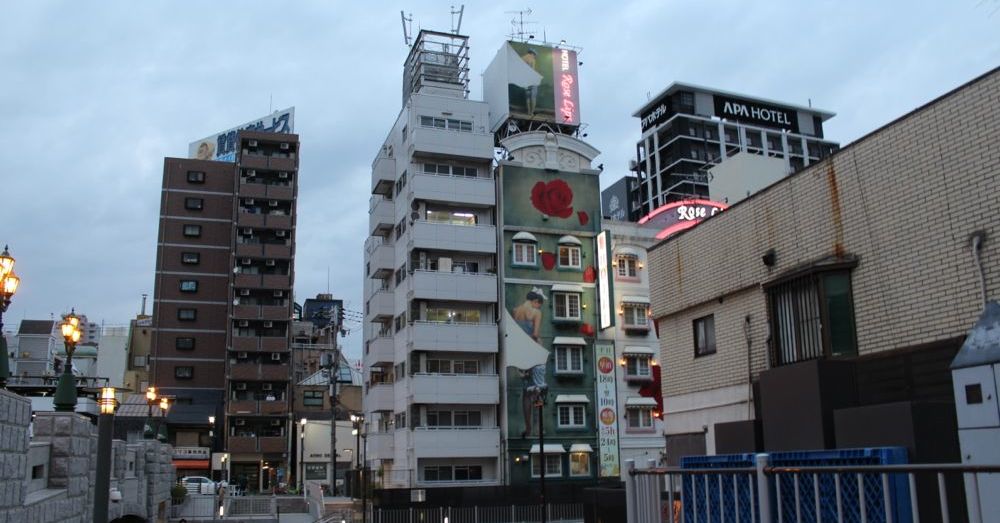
{"points": [[188, 464]]}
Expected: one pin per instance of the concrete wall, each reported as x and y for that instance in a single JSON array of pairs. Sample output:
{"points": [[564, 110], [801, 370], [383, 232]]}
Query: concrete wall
{"points": [[903, 200]]}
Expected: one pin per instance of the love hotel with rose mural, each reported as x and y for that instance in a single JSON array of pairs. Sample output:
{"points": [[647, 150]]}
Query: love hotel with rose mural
{"points": [[549, 221]]}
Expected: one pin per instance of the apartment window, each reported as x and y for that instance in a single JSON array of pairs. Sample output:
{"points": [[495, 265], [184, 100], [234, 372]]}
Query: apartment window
{"points": [[704, 335], [571, 416], [579, 464], [812, 316], [637, 366], [187, 314], [196, 177], [453, 216], [192, 231], [466, 367], [566, 306], [184, 343], [183, 373], [553, 465], [312, 398], [189, 285], [525, 253], [468, 418], [468, 472], [451, 315], [399, 418], [194, 204], [636, 315], [401, 183], [437, 473], [446, 123], [569, 257], [569, 360], [451, 170], [639, 419], [190, 258], [138, 361], [626, 266]]}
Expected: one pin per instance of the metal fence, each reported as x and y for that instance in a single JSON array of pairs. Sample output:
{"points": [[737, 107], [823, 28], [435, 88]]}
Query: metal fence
{"points": [[496, 514], [207, 506], [766, 494]]}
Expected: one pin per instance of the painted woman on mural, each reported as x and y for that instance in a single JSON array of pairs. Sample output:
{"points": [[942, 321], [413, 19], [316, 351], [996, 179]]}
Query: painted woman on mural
{"points": [[528, 316]]}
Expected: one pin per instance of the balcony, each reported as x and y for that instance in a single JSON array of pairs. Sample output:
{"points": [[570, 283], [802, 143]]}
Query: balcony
{"points": [[273, 343], [449, 237], [257, 407], [250, 160], [275, 312], [381, 350], [241, 444], [383, 175], [246, 343], [381, 216], [272, 445], [448, 142], [380, 445], [465, 389], [258, 371], [382, 261], [247, 219], [277, 250], [454, 286], [280, 192], [380, 397], [246, 250], [458, 337], [465, 442], [278, 221], [246, 281], [259, 343], [275, 281], [251, 190], [456, 189], [381, 306]]}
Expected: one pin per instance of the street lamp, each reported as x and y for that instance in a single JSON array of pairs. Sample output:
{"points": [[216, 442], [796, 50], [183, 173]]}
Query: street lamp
{"points": [[65, 398], [8, 286], [302, 454], [358, 420], [148, 432], [164, 407], [105, 422]]}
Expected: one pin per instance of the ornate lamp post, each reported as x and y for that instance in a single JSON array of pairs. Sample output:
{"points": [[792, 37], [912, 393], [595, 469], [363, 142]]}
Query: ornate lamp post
{"points": [[8, 286], [65, 398], [102, 483], [302, 454], [148, 432], [164, 407]]}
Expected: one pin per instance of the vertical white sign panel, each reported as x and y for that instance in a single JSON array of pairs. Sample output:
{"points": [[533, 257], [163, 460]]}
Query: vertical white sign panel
{"points": [[603, 281], [607, 409]]}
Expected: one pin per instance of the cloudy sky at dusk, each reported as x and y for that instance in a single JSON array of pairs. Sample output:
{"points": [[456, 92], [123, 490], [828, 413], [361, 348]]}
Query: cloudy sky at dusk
{"points": [[94, 95]]}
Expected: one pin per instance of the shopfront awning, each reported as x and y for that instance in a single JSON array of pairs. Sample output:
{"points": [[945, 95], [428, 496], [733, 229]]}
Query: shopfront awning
{"points": [[550, 448], [572, 398], [639, 402], [568, 340], [646, 351], [580, 447], [642, 300]]}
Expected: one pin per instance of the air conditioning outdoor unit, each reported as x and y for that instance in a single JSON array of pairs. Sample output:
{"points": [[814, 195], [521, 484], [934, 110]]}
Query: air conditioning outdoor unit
{"points": [[279, 294], [276, 423], [245, 261], [268, 324], [242, 355], [244, 292], [252, 143], [248, 232], [249, 201], [275, 356], [244, 323], [270, 263], [266, 386], [241, 422], [273, 203], [284, 147], [283, 175], [279, 234], [241, 386], [444, 264], [251, 172]]}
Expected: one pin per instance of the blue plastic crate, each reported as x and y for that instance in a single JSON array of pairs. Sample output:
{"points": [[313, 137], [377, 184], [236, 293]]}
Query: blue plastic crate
{"points": [[703, 491]]}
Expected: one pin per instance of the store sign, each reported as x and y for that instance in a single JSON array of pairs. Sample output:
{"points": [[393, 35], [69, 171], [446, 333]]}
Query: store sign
{"points": [[604, 280], [756, 113], [607, 409], [674, 217], [542, 83], [656, 115], [221, 147]]}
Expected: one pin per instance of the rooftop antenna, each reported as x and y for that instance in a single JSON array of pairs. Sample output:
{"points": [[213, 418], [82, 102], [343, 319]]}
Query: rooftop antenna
{"points": [[407, 26], [270, 102], [517, 24], [457, 28], [142, 311], [328, 279]]}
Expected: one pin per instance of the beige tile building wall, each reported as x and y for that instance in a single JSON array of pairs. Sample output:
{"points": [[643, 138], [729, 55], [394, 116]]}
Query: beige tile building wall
{"points": [[904, 200]]}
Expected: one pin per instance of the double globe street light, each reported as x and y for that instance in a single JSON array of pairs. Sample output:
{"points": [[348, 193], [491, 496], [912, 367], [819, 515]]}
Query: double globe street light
{"points": [[65, 398], [8, 286]]}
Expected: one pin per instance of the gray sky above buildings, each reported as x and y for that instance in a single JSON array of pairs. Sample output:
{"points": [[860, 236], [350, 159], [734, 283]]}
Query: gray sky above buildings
{"points": [[93, 95]]}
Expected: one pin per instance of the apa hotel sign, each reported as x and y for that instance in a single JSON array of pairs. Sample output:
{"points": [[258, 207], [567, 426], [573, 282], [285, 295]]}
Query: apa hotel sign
{"points": [[756, 113]]}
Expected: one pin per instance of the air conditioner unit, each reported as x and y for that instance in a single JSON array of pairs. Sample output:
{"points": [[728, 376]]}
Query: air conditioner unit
{"points": [[275, 356], [241, 422], [444, 264], [244, 292], [270, 263], [276, 423], [249, 201], [280, 234], [245, 261], [283, 175], [252, 143], [279, 294], [242, 355], [248, 232], [284, 147], [268, 324], [241, 386], [251, 172], [244, 323], [273, 203], [266, 386]]}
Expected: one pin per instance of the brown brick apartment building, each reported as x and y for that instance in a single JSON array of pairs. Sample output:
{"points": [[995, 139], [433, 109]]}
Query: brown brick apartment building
{"points": [[223, 301], [827, 307]]}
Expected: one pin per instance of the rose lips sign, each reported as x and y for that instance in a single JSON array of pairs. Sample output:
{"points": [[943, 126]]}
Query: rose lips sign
{"points": [[554, 198]]}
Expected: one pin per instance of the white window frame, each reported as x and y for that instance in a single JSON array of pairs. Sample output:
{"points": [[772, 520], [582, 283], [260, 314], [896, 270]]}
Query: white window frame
{"points": [[627, 266], [573, 254], [586, 456], [536, 469], [632, 319], [574, 423], [641, 415], [642, 362], [568, 359], [526, 247], [566, 298]]}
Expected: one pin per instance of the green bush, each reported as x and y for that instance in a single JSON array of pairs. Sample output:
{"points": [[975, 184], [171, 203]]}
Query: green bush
{"points": [[178, 493]]}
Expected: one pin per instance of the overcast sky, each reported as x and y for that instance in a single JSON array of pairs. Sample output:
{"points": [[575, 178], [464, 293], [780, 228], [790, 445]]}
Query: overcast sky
{"points": [[93, 96]]}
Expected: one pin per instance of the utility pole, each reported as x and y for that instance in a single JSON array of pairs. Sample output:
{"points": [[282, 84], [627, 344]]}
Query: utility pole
{"points": [[331, 365]]}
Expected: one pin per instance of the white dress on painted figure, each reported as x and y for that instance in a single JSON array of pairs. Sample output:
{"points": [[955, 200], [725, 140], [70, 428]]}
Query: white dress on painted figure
{"points": [[519, 72], [522, 351]]}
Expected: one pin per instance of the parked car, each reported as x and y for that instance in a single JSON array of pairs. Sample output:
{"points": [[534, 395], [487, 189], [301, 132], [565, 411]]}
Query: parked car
{"points": [[198, 485]]}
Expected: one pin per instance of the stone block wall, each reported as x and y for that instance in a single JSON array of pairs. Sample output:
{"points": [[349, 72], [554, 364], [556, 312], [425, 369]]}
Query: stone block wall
{"points": [[15, 415], [72, 468]]}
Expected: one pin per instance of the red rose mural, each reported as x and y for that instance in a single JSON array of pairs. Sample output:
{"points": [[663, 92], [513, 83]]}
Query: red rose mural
{"points": [[553, 199], [548, 260], [590, 274], [586, 329], [583, 217]]}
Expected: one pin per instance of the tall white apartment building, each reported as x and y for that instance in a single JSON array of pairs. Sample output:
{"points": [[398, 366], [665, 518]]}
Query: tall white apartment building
{"points": [[431, 391]]}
